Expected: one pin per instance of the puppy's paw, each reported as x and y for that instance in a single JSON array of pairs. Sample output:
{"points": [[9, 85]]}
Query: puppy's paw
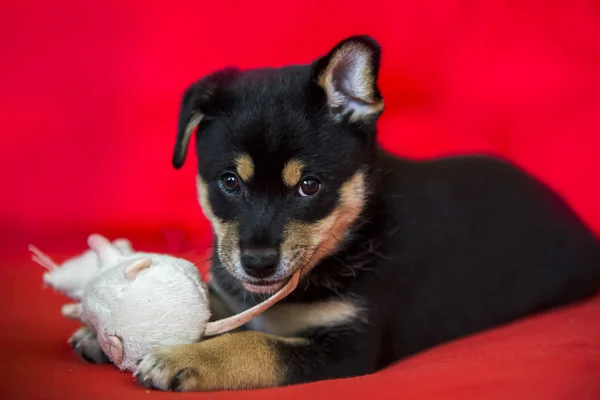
{"points": [[233, 361], [169, 368], [86, 346]]}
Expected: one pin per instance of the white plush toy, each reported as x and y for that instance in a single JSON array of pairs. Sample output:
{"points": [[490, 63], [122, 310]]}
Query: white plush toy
{"points": [[72, 275], [138, 301]]}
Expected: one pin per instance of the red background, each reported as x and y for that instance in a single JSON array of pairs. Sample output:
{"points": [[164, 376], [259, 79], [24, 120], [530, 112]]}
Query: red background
{"points": [[89, 94]]}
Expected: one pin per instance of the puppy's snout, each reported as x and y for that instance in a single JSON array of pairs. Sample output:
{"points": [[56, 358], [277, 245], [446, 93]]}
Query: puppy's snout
{"points": [[260, 262]]}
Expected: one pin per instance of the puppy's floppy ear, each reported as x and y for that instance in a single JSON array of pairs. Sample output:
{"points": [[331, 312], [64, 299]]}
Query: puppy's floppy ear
{"points": [[200, 101], [348, 75]]}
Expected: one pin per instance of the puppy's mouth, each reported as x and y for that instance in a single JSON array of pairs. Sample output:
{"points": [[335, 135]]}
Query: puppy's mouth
{"points": [[272, 285], [263, 286]]}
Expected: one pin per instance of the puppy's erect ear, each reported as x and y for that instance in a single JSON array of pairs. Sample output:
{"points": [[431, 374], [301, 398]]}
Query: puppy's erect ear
{"points": [[348, 75], [200, 101]]}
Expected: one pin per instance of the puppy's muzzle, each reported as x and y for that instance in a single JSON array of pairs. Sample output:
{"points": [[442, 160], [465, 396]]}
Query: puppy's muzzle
{"points": [[260, 263]]}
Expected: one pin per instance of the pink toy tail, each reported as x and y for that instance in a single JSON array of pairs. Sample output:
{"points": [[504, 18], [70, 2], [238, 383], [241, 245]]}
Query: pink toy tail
{"points": [[227, 324], [42, 258]]}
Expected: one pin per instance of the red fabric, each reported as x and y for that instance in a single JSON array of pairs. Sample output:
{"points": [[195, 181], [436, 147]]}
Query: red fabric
{"points": [[551, 356], [88, 106]]}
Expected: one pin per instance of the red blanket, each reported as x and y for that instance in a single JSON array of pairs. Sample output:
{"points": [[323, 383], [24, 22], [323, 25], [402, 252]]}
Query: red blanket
{"points": [[88, 106], [551, 356]]}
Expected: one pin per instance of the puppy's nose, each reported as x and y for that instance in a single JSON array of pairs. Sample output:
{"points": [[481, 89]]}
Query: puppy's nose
{"points": [[260, 262]]}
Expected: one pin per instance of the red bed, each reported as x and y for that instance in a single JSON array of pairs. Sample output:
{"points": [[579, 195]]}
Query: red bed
{"points": [[87, 109]]}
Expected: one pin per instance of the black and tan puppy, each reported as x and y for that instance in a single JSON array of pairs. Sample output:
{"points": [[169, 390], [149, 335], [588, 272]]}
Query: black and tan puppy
{"points": [[396, 256]]}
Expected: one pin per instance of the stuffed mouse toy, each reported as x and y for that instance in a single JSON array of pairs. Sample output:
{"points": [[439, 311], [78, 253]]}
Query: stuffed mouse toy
{"points": [[72, 275], [137, 301]]}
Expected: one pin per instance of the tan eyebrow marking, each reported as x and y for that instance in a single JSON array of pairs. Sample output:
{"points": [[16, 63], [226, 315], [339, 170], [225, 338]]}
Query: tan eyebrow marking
{"points": [[292, 172], [244, 167]]}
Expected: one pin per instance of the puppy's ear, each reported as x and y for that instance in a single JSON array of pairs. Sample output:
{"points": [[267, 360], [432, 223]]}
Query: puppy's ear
{"points": [[200, 101], [348, 75]]}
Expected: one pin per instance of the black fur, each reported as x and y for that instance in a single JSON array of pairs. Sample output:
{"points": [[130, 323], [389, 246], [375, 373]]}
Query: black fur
{"points": [[442, 249]]}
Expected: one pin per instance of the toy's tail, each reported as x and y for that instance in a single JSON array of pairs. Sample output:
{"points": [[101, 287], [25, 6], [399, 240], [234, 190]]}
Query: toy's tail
{"points": [[42, 258], [233, 322]]}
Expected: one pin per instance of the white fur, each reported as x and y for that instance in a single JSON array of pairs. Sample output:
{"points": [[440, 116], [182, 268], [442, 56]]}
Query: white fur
{"points": [[72, 275], [166, 304]]}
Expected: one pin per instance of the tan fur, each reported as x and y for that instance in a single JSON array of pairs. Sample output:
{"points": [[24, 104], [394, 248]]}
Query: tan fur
{"points": [[310, 242], [293, 318], [189, 128], [363, 83], [241, 360], [244, 167], [226, 231], [292, 172], [202, 193]]}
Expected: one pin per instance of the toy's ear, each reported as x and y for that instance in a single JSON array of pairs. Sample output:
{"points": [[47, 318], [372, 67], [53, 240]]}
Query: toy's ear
{"points": [[134, 268], [348, 75], [112, 346], [115, 349], [201, 101], [107, 253]]}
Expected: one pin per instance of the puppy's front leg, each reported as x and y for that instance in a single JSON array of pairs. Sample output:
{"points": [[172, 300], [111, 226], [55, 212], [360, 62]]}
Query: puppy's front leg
{"points": [[241, 360]]}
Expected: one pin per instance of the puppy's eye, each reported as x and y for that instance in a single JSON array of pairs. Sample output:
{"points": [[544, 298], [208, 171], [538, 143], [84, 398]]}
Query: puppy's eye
{"points": [[308, 187], [229, 183]]}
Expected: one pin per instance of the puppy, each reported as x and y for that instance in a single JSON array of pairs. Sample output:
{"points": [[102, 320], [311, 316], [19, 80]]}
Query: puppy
{"points": [[396, 256]]}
